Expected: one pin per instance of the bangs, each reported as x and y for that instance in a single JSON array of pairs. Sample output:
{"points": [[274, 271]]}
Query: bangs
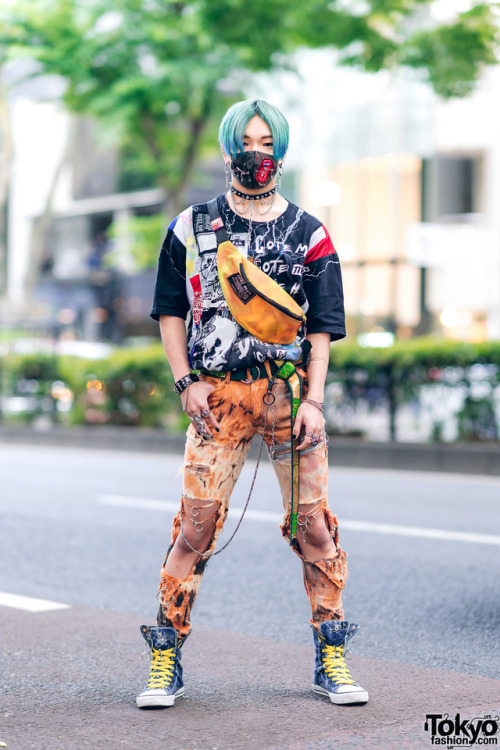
{"points": [[234, 122]]}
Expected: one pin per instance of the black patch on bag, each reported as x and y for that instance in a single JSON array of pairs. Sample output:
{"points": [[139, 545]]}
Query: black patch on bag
{"points": [[240, 288]]}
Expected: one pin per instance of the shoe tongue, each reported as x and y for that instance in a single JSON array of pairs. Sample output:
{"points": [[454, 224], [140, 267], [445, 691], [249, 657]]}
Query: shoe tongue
{"points": [[333, 632], [163, 637]]}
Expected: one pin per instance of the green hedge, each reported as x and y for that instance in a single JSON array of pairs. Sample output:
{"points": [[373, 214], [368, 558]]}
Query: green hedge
{"points": [[399, 372], [135, 386], [30, 377], [130, 387]]}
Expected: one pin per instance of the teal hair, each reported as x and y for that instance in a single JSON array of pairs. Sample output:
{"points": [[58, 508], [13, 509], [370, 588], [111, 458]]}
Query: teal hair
{"points": [[237, 117]]}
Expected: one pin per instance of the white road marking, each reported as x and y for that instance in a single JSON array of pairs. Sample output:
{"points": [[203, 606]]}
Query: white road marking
{"points": [[270, 517], [167, 506], [443, 534], [28, 603]]}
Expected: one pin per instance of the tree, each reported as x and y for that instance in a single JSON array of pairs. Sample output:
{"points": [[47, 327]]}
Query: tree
{"points": [[6, 156], [158, 72]]}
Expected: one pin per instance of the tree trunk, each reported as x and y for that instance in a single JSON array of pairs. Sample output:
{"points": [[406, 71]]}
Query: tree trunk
{"points": [[42, 224], [393, 406], [175, 195], [174, 191], [6, 156], [197, 127]]}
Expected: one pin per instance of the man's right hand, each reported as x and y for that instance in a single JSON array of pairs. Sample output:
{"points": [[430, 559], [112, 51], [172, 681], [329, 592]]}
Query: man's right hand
{"points": [[195, 403]]}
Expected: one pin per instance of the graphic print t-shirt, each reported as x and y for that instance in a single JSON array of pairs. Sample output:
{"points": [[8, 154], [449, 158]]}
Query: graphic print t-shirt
{"points": [[295, 250]]}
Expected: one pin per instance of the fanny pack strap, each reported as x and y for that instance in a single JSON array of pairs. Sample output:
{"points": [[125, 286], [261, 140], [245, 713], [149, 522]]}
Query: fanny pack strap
{"points": [[216, 222], [289, 373]]}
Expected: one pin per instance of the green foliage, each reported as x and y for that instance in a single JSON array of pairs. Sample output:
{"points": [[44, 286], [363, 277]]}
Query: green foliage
{"points": [[130, 387], [29, 378], [139, 387], [406, 355], [144, 235], [397, 374], [135, 386], [146, 71], [452, 54], [42, 368], [477, 420], [157, 74]]}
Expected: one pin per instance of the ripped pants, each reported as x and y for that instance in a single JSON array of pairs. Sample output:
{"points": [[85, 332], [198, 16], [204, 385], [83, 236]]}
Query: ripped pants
{"points": [[211, 468]]}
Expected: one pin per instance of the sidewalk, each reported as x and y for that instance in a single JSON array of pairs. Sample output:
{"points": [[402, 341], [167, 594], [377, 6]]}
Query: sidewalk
{"points": [[477, 458], [71, 676]]}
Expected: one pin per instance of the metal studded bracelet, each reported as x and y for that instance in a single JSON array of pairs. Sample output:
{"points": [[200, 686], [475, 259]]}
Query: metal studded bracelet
{"points": [[317, 404], [183, 383]]}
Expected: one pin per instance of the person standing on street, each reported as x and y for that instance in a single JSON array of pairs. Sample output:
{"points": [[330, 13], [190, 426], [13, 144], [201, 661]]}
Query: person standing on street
{"points": [[259, 282]]}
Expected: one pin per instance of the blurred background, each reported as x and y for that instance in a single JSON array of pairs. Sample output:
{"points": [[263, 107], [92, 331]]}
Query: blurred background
{"points": [[108, 127]]}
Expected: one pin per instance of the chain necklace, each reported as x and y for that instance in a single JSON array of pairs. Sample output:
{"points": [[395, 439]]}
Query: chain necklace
{"points": [[236, 204], [250, 199], [251, 202]]}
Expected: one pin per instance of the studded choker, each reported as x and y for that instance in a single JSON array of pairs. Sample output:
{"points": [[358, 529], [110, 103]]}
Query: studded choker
{"points": [[258, 197]]}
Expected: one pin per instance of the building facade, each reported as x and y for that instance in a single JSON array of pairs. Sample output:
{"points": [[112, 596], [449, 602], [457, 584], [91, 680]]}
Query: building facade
{"points": [[407, 184], [409, 187]]}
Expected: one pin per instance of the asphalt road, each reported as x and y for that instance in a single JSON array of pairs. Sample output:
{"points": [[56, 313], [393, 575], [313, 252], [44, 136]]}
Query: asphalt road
{"points": [[89, 529]]}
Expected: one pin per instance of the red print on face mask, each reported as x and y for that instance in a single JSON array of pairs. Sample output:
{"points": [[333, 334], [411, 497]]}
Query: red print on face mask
{"points": [[265, 170]]}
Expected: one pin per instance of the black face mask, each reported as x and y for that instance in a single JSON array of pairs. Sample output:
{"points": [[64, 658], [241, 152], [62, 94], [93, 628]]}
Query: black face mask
{"points": [[253, 169]]}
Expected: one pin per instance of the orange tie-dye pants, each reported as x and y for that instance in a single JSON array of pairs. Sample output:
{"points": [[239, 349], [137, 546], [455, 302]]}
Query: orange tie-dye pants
{"points": [[211, 468]]}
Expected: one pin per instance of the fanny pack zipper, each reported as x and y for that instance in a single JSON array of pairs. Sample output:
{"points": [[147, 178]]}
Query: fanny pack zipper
{"points": [[267, 299]]}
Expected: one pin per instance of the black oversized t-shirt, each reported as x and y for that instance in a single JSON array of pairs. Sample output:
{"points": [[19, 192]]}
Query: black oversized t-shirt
{"points": [[295, 250]]}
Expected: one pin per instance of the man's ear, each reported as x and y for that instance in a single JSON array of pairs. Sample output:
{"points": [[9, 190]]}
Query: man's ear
{"points": [[226, 158]]}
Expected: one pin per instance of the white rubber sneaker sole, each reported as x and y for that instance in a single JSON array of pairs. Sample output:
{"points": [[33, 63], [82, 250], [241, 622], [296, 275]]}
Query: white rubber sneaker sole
{"points": [[354, 696], [150, 699]]}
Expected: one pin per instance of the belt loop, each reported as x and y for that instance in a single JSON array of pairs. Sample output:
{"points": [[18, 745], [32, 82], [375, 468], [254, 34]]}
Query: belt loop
{"points": [[227, 377], [249, 377], [268, 369]]}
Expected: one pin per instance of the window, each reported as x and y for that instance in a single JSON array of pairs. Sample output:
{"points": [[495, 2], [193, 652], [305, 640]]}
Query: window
{"points": [[450, 187]]}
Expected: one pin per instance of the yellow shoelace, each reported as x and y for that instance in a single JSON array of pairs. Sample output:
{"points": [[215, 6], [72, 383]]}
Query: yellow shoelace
{"points": [[335, 666], [162, 668]]}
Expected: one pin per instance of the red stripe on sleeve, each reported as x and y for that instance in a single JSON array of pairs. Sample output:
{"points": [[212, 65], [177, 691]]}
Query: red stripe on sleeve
{"points": [[320, 249]]}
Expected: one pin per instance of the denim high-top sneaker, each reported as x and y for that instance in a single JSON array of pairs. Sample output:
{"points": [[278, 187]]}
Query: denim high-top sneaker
{"points": [[165, 682], [331, 675]]}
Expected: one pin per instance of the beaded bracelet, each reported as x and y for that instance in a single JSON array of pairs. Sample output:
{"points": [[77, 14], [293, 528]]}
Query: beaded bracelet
{"points": [[311, 401]]}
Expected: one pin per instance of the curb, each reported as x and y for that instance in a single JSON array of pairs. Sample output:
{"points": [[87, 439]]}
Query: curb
{"points": [[456, 458]]}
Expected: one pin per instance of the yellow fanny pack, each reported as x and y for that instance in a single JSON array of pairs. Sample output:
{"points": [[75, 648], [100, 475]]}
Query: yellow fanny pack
{"points": [[257, 302]]}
